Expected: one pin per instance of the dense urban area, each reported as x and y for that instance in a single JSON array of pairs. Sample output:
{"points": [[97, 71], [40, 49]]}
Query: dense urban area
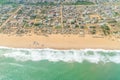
{"points": [[44, 17]]}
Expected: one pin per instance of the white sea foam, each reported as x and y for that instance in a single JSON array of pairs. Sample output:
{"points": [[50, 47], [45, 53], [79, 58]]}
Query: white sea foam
{"points": [[90, 55], [16, 64]]}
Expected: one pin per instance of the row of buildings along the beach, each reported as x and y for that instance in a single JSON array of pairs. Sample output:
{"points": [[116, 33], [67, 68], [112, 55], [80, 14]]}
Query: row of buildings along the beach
{"points": [[69, 1]]}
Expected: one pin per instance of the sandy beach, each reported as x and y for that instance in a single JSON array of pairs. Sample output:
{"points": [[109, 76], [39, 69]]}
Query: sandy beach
{"points": [[57, 41]]}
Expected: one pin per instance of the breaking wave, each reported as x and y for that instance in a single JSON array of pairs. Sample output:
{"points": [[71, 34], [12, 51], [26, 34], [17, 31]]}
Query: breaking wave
{"points": [[90, 55]]}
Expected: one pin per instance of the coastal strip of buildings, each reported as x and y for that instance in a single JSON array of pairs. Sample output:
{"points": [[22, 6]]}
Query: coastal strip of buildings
{"points": [[68, 1]]}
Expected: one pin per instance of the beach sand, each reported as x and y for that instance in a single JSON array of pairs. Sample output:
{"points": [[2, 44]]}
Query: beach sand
{"points": [[58, 41]]}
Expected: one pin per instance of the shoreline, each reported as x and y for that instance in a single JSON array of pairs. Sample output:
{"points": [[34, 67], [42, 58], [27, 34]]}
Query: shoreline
{"points": [[56, 48], [58, 42]]}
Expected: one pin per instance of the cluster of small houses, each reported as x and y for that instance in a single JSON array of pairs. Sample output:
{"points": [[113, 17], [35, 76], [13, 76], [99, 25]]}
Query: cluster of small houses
{"points": [[83, 17], [5, 12], [68, 1]]}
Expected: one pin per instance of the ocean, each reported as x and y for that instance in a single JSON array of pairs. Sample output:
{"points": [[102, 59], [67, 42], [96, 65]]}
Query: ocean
{"points": [[50, 64]]}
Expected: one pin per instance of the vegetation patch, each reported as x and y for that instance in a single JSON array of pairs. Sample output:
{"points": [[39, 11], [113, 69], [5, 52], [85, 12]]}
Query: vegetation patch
{"points": [[3, 1], [80, 3], [105, 29]]}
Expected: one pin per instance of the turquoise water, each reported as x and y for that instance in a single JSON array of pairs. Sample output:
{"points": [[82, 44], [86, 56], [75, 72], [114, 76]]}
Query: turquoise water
{"points": [[49, 64]]}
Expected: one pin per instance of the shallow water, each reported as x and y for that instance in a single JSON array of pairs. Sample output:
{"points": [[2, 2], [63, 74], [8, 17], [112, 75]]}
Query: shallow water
{"points": [[49, 64]]}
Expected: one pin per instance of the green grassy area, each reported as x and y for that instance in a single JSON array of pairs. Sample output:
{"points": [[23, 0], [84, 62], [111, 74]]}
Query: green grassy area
{"points": [[80, 3], [3, 1], [84, 3], [42, 3], [52, 3]]}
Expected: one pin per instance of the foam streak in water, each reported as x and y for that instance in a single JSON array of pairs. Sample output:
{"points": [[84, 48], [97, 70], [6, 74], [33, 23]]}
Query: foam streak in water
{"points": [[90, 55]]}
